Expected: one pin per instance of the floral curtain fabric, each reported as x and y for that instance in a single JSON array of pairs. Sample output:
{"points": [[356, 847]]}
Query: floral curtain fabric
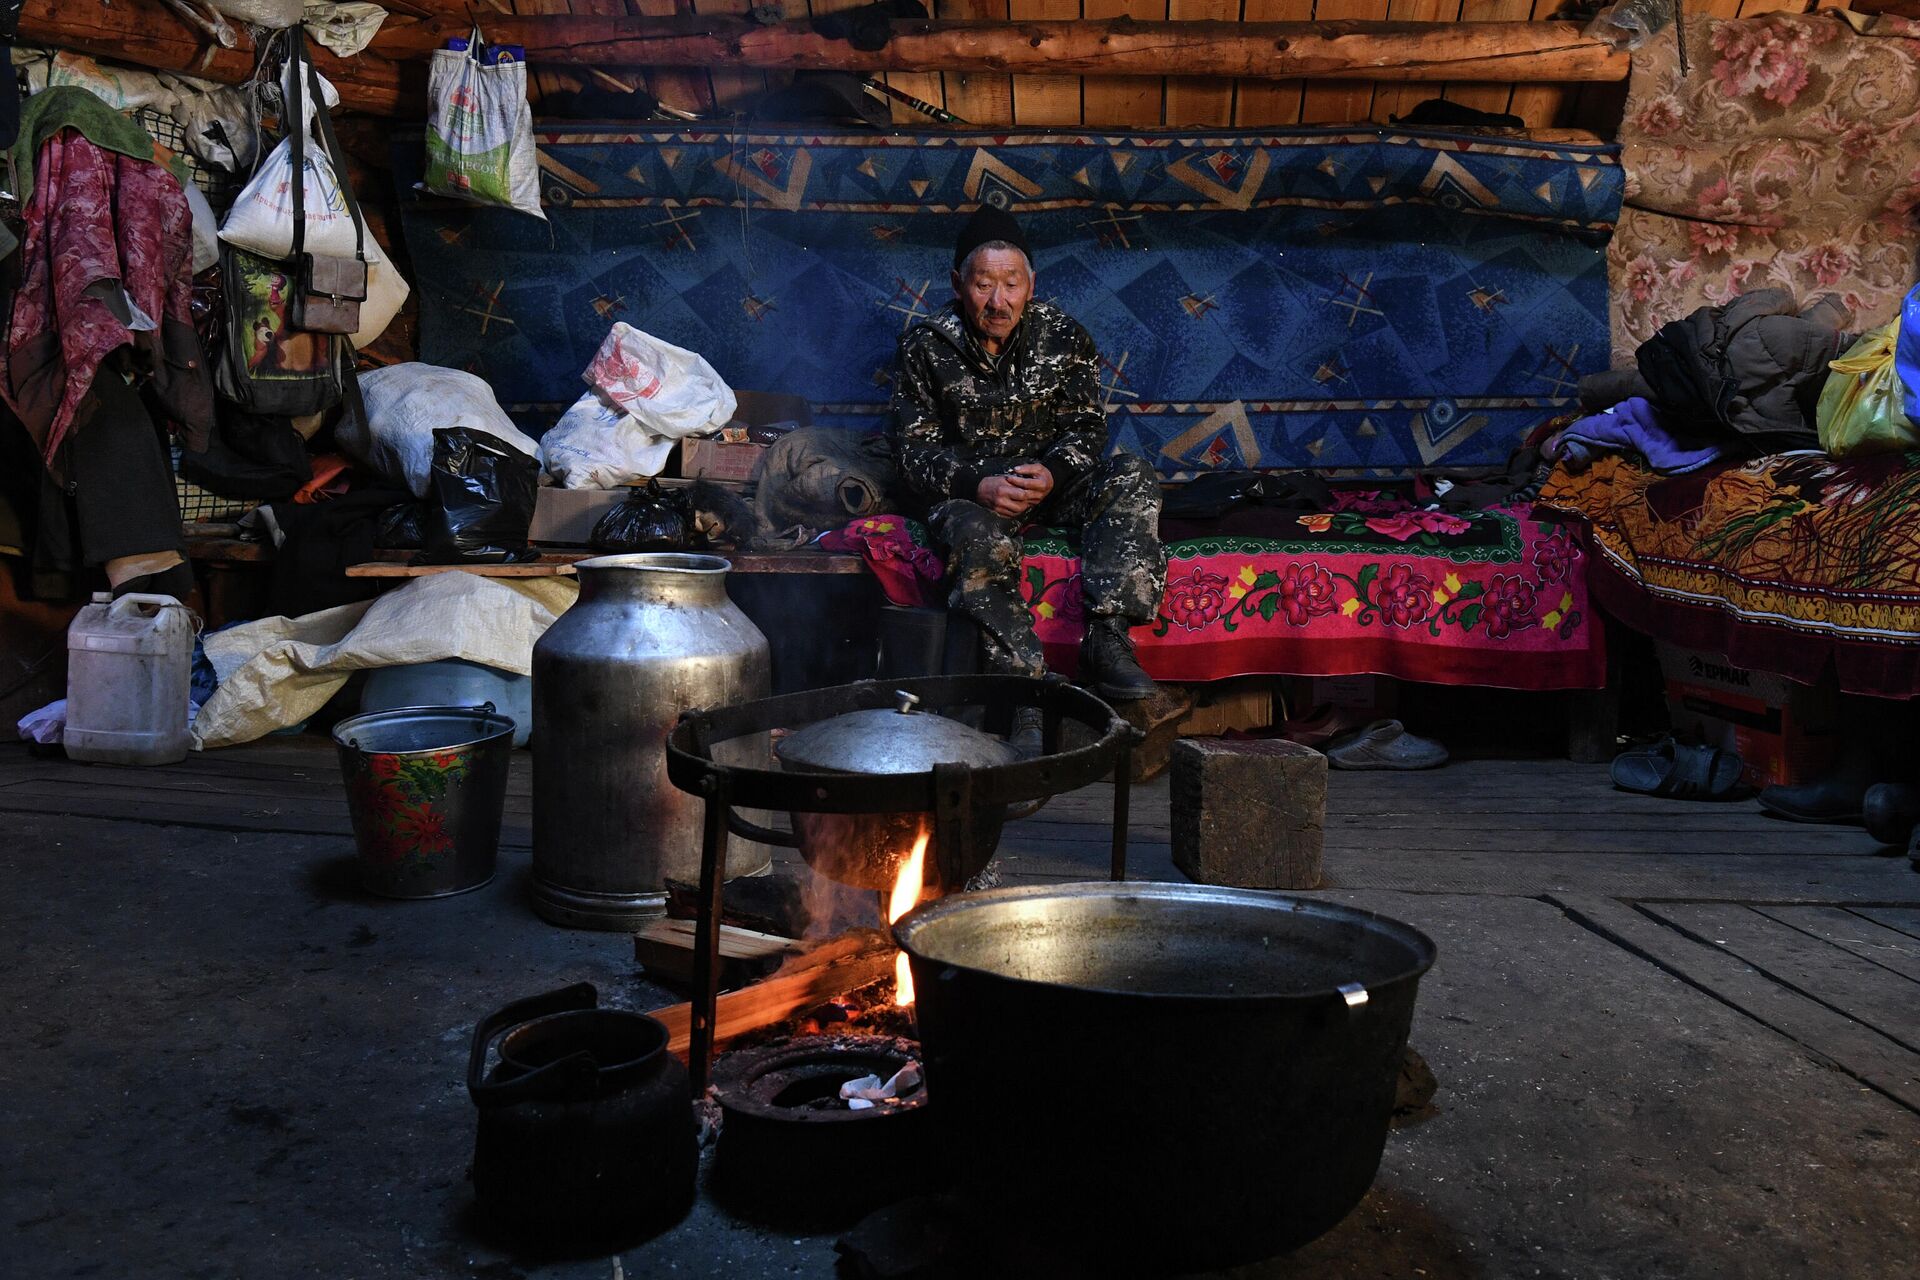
{"points": [[1790, 156]]}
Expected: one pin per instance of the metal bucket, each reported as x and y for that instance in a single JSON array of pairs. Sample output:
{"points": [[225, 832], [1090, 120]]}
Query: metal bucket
{"points": [[425, 787]]}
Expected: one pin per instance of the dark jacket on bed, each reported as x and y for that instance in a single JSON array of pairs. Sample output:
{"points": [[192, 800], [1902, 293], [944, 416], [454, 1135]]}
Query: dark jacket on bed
{"points": [[1753, 368]]}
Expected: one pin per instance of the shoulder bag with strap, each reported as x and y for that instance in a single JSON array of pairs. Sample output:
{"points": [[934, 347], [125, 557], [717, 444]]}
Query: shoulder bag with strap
{"points": [[269, 363], [331, 288]]}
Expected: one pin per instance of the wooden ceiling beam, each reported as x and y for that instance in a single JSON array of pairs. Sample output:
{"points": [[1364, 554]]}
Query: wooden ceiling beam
{"points": [[1512, 52], [388, 79], [146, 33]]}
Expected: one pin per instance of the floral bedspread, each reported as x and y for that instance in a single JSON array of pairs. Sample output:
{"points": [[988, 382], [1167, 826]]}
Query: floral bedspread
{"points": [[1493, 598], [1783, 563]]}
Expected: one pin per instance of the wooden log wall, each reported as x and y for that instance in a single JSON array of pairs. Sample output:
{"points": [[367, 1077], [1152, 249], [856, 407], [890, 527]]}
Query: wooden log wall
{"points": [[1172, 101]]}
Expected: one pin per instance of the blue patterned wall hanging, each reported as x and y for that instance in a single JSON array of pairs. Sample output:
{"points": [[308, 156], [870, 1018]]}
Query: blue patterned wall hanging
{"points": [[1375, 299]]}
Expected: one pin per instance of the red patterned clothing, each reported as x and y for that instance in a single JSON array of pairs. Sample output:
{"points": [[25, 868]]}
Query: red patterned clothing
{"points": [[99, 223]]}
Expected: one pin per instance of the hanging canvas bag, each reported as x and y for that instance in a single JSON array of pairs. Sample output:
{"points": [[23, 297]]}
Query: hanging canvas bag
{"points": [[480, 128], [262, 219], [269, 363]]}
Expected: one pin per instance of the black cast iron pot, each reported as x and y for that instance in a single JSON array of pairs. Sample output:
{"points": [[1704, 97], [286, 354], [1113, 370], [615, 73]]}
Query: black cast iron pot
{"points": [[587, 1139], [1162, 1077]]}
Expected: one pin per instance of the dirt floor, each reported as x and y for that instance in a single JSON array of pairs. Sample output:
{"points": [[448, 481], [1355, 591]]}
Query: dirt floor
{"points": [[1671, 1040]]}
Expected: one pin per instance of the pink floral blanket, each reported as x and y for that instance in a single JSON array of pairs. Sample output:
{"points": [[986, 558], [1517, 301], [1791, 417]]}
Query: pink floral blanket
{"points": [[1493, 598]]}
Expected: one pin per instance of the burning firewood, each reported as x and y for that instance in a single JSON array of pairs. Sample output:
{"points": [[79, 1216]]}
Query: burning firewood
{"points": [[834, 968]]}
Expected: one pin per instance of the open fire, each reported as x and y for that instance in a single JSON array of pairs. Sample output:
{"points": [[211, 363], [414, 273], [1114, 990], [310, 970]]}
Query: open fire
{"points": [[907, 887]]}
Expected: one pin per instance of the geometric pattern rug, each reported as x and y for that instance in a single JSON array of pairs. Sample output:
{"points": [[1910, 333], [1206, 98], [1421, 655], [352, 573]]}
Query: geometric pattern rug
{"points": [[1376, 299]]}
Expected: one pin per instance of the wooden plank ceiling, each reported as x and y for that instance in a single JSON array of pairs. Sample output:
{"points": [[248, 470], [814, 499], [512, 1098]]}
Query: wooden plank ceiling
{"points": [[1109, 102]]}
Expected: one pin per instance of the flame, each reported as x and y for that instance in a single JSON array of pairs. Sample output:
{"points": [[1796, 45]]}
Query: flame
{"points": [[906, 892]]}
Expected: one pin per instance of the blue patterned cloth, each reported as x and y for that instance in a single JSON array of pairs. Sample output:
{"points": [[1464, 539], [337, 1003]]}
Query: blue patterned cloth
{"points": [[1378, 299]]}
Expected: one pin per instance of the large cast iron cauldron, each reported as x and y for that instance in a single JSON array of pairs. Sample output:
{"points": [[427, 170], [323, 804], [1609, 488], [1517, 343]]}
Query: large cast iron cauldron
{"points": [[587, 1139], [1162, 1076]]}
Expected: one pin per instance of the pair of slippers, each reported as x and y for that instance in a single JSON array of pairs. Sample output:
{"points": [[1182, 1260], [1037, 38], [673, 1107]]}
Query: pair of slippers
{"points": [[1681, 771], [1384, 744]]}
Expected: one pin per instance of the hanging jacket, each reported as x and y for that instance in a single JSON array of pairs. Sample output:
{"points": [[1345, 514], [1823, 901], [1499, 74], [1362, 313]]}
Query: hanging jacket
{"points": [[105, 263], [1754, 365], [961, 415]]}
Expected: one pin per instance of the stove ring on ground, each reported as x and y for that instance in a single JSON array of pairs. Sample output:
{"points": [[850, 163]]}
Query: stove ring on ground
{"points": [[790, 1149]]}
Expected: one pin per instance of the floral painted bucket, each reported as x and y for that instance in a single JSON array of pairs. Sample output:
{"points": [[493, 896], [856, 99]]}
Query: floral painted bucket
{"points": [[426, 787]]}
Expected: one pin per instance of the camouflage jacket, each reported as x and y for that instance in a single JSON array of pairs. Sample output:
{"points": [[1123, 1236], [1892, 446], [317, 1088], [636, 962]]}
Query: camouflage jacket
{"points": [[960, 416]]}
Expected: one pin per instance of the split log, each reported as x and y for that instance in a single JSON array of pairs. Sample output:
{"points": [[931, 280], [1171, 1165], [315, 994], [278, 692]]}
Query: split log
{"points": [[844, 964], [147, 33], [665, 949], [1500, 52]]}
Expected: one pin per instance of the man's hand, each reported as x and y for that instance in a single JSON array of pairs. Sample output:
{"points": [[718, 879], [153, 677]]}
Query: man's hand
{"points": [[1017, 492]]}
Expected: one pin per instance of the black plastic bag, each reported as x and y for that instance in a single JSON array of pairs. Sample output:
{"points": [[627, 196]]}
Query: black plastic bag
{"points": [[649, 520], [256, 456], [399, 527], [480, 494]]}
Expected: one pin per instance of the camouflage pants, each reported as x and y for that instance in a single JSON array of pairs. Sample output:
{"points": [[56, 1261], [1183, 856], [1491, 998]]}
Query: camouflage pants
{"points": [[1115, 509]]}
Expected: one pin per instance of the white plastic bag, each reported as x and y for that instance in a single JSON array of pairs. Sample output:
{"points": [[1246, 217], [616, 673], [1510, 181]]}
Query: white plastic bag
{"points": [[598, 445], [218, 121], [673, 392], [47, 726], [405, 404], [480, 131], [206, 229], [277, 14]]}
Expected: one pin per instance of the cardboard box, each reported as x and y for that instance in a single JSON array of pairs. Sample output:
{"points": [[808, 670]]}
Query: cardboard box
{"points": [[759, 418], [565, 517], [1784, 732], [1227, 705]]}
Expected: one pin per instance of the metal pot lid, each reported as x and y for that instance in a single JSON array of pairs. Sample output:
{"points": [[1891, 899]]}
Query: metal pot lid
{"points": [[900, 740]]}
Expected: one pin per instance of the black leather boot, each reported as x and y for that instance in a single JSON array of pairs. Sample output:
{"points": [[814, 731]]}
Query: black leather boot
{"points": [[1107, 664], [1837, 796], [1891, 810], [1029, 732]]}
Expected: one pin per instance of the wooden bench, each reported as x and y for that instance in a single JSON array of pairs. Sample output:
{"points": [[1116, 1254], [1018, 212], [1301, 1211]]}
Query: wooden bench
{"points": [[233, 568]]}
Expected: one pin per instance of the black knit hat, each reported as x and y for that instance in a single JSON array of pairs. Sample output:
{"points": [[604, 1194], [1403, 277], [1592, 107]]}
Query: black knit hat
{"points": [[989, 223]]}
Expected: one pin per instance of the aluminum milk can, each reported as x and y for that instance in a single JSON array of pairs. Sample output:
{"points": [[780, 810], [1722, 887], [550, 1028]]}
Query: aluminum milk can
{"points": [[652, 635]]}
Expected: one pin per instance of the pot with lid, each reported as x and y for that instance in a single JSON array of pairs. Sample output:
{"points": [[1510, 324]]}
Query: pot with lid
{"points": [[867, 849]]}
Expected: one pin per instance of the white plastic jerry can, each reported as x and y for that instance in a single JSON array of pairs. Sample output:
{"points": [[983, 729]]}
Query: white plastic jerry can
{"points": [[129, 676]]}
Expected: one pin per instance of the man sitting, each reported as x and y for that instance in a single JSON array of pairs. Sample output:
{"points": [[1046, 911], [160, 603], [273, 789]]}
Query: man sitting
{"points": [[998, 425]]}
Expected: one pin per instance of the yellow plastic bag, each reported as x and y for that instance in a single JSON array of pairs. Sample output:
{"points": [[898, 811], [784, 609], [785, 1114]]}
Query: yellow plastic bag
{"points": [[1861, 407]]}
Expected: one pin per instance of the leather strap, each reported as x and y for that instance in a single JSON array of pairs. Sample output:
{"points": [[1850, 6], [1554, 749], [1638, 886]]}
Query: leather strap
{"points": [[305, 79]]}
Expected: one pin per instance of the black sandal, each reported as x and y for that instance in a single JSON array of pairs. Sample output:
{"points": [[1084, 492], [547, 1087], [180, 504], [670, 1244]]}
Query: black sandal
{"points": [[1679, 771]]}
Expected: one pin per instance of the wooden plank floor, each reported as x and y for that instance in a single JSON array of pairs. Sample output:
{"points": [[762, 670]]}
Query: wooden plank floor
{"points": [[1812, 931]]}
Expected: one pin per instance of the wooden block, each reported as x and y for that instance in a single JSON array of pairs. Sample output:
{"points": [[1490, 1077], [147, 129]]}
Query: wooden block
{"points": [[665, 947], [1249, 813]]}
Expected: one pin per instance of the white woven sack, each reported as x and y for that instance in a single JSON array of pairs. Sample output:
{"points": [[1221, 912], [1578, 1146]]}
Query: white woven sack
{"points": [[405, 404], [277, 14], [261, 220], [387, 292]]}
